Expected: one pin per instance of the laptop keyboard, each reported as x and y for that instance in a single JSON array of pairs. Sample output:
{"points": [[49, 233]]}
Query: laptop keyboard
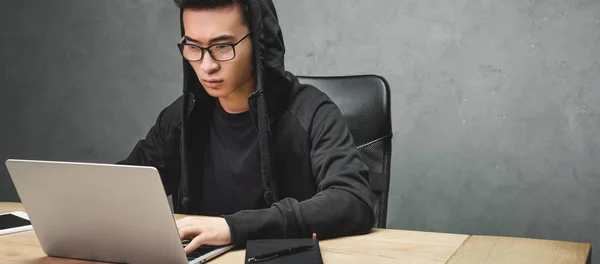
{"points": [[199, 251]]}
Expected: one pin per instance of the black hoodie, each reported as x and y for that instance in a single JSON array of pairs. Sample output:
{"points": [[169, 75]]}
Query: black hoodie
{"points": [[313, 176]]}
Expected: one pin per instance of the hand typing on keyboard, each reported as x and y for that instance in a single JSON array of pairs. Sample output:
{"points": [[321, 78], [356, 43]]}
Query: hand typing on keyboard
{"points": [[203, 230]]}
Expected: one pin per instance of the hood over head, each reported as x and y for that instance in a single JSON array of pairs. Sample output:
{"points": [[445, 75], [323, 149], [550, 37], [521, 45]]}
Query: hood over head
{"points": [[269, 51], [273, 84]]}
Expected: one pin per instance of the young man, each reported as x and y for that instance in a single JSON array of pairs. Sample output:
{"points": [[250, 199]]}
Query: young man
{"points": [[247, 147]]}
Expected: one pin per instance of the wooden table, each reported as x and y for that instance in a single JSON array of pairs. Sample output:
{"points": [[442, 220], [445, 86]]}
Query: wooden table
{"points": [[380, 246]]}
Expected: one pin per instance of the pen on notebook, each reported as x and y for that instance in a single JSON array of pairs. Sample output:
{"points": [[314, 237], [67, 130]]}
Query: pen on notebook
{"points": [[276, 254], [289, 251]]}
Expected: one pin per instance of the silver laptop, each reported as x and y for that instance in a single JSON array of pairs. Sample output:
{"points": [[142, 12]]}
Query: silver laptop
{"points": [[110, 213]]}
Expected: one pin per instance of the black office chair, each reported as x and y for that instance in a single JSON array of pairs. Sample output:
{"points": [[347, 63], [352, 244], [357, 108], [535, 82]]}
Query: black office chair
{"points": [[365, 104]]}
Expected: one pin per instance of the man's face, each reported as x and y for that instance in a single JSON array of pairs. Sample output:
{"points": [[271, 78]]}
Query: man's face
{"points": [[221, 25]]}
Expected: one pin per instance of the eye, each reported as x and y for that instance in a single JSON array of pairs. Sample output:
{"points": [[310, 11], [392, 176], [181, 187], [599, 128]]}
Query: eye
{"points": [[221, 47]]}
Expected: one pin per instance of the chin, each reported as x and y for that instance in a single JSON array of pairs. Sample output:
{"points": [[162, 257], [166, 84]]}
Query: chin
{"points": [[217, 92]]}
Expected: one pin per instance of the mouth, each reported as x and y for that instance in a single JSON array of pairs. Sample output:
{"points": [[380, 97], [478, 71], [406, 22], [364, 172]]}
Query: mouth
{"points": [[212, 83]]}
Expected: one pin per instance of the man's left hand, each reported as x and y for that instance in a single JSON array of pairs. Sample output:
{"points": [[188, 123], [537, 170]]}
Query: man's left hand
{"points": [[203, 230]]}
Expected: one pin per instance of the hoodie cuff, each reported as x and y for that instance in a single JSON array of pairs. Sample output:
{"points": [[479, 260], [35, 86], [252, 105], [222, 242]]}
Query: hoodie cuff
{"points": [[254, 224]]}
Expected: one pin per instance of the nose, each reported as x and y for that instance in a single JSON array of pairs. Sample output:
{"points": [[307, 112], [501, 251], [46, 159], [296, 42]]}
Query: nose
{"points": [[208, 64]]}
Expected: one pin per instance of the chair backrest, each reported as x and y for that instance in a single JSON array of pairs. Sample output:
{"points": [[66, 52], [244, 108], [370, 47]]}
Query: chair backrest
{"points": [[365, 104]]}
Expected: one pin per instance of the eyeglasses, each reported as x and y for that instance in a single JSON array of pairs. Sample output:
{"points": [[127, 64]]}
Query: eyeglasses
{"points": [[219, 51]]}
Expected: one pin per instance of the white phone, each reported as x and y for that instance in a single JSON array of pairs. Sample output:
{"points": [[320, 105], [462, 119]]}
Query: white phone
{"points": [[13, 222]]}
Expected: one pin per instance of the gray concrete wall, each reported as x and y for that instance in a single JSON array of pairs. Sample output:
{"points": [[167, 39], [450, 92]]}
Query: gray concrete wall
{"points": [[83, 80], [495, 106]]}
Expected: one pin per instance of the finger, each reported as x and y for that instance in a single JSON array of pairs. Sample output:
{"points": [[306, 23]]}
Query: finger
{"points": [[195, 243], [186, 224], [189, 232]]}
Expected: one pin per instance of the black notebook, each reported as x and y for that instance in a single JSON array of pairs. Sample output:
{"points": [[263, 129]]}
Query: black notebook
{"points": [[258, 247]]}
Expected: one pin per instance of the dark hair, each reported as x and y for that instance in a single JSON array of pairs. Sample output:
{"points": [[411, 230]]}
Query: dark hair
{"points": [[211, 4]]}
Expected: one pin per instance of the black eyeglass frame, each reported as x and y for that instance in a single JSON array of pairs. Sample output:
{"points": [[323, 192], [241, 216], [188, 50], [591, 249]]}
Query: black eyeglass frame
{"points": [[181, 44]]}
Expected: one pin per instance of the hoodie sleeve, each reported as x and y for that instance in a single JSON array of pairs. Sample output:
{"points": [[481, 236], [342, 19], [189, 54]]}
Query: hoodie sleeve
{"points": [[343, 204], [152, 150]]}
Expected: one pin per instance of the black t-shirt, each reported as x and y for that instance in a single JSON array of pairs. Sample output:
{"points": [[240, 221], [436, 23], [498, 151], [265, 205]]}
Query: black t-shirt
{"points": [[232, 176]]}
